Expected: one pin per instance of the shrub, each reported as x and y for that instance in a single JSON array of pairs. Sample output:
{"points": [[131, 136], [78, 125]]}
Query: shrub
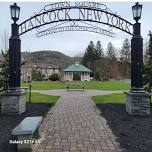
{"points": [[54, 77], [37, 75]]}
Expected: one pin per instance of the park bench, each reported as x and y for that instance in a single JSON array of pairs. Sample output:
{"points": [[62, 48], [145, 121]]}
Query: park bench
{"points": [[27, 131], [70, 86]]}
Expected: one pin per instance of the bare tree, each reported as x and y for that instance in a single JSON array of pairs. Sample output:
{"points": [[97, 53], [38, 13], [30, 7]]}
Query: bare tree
{"points": [[4, 62], [4, 41], [111, 52], [145, 50]]}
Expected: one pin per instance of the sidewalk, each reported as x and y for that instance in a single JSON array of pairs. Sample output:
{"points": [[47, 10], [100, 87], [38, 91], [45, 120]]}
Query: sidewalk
{"points": [[74, 125]]}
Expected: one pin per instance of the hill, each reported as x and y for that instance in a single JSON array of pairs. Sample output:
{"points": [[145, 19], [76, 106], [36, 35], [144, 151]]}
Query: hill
{"points": [[49, 57]]}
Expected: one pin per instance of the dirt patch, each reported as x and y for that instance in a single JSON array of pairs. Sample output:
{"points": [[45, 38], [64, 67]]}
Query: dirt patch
{"points": [[134, 133], [7, 123]]}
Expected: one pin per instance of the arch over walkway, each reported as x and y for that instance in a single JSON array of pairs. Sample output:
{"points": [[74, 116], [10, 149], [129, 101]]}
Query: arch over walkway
{"points": [[76, 11]]}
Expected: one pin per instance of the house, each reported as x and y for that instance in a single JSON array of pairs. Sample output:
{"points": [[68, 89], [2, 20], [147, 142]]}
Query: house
{"points": [[77, 72], [45, 69]]}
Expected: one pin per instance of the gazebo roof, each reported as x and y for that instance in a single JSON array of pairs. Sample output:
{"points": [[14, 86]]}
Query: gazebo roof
{"points": [[76, 68]]}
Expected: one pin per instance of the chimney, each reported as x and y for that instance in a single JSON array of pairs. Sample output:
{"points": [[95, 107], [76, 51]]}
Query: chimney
{"points": [[76, 62]]}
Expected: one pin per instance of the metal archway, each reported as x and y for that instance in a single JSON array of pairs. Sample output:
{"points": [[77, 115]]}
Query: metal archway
{"points": [[76, 11]]}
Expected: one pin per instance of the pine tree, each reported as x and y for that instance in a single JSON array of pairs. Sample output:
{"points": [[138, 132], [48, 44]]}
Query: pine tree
{"points": [[148, 65], [111, 51], [125, 59], [93, 55], [125, 54], [99, 50], [89, 55], [84, 59]]}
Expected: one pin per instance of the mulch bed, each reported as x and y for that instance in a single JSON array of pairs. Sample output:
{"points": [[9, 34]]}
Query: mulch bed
{"points": [[7, 123], [134, 133]]}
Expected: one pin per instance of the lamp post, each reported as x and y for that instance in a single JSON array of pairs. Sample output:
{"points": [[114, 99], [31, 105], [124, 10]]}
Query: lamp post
{"points": [[14, 50], [13, 101], [137, 100], [137, 52]]}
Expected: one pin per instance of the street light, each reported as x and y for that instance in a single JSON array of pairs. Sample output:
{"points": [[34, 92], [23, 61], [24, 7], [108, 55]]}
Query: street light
{"points": [[137, 9], [14, 50], [14, 101], [137, 52], [137, 100], [15, 12]]}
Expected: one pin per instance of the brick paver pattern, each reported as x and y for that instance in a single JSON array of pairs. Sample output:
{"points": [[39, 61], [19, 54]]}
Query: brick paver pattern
{"points": [[75, 125]]}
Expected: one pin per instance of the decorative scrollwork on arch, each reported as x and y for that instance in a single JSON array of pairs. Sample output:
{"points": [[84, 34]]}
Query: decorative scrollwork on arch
{"points": [[83, 11]]}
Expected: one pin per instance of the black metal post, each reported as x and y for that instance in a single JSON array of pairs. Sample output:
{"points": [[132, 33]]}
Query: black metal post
{"points": [[30, 88], [14, 58], [136, 60]]}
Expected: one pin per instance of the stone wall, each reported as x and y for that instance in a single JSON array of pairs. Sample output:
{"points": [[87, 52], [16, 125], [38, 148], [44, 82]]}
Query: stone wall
{"points": [[13, 103], [137, 103]]}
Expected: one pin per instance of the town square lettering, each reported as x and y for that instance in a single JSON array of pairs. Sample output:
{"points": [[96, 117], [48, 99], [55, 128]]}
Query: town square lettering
{"points": [[77, 14], [75, 4]]}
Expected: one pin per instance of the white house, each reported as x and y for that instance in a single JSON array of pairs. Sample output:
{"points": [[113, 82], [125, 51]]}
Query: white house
{"points": [[45, 69]]}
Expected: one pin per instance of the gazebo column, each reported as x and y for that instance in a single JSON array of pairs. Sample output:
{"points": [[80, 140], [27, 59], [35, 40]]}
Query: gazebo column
{"points": [[72, 76]]}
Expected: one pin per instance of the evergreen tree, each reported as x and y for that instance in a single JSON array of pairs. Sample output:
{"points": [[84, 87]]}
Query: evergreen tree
{"points": [[39, 76], [99, 50], [91, 52], [91, 44], [98, 74], [93, 56], [36, 75], [84, 59], [89, 55], [125, 59], [148, 65], [125, 54], [111, 51], [4, 72]]}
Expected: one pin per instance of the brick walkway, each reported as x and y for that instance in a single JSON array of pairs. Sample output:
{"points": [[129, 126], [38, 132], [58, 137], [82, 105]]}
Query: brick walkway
{"points": [[74, 125]]}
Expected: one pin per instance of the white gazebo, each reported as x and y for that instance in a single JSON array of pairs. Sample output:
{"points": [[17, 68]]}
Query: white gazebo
{"points": [[77, 72]]}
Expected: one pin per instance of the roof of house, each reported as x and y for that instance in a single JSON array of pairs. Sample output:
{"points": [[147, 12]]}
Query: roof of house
{"points": [[76, 68], [40, 65]]}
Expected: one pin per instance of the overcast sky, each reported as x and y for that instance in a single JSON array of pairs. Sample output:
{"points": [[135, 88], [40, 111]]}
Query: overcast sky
{"points": [[72, 43]]}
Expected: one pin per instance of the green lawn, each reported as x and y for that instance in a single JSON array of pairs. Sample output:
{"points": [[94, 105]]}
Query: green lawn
{"points": [[45, 85], [106, 85], [42, 98], [111, 98]]}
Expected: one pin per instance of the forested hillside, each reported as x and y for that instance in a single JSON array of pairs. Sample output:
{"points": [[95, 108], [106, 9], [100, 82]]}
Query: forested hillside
{"points": [[49, 57]]}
